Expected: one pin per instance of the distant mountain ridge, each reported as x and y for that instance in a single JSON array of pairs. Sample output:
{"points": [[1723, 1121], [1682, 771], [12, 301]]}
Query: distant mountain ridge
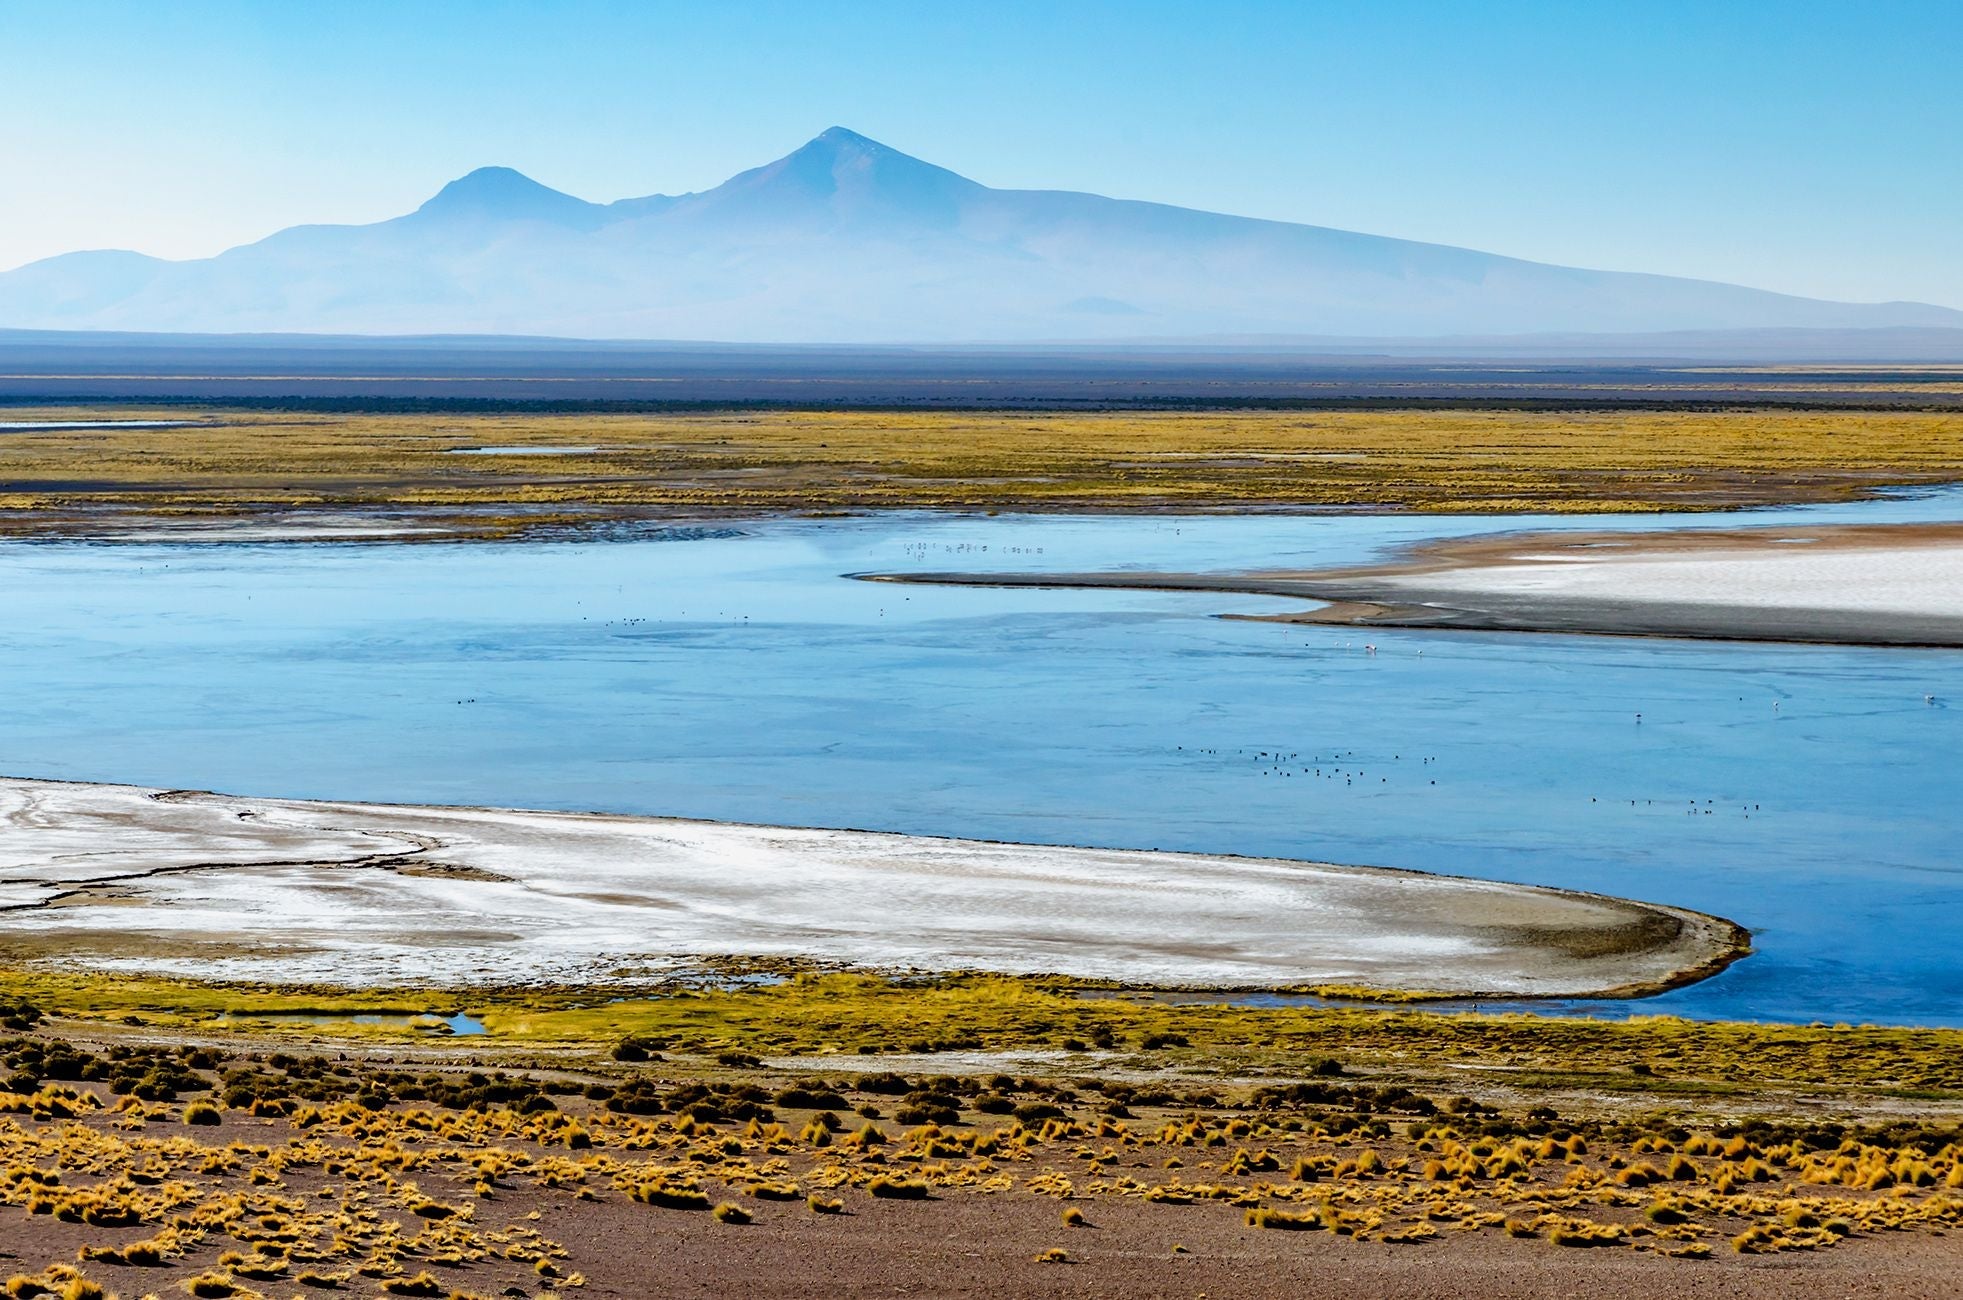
{"points": [[846, 240]]}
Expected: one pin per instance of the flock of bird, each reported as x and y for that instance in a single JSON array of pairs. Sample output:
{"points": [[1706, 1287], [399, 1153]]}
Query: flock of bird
{"points": [[1277, 764]]}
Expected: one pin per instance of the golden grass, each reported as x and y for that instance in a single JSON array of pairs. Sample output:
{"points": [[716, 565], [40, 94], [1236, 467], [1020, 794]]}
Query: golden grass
{"points": [[776, 461], [340, 1177]]}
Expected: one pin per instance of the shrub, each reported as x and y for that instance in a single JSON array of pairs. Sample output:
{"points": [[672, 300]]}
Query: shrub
{"points": [[323, 1281], [59, 1281], [1054, 1255], [887, 1187], [202, 1113], [1073, 1217], [420, 1285], [669, 1196], [636, 1097], [1283, 1220], [731, 1212], [824, 1205], [774, 1191], [1751, 1241], [1584, 1234], [18, 1014], [917, 1115], [633, 1048], [138, 1254]]}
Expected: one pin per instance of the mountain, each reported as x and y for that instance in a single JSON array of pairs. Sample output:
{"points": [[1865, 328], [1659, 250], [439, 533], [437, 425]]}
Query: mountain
{"points": [[846, 240]]}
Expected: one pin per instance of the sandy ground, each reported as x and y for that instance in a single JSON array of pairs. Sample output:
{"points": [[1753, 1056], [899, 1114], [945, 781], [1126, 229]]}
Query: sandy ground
{"points": [[1858, 585], [118, 877], [975, 1246], [978, 1247]]}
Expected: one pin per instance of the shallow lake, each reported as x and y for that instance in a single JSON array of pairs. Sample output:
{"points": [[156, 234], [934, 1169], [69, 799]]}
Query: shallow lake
{"points": [[743, 678]]}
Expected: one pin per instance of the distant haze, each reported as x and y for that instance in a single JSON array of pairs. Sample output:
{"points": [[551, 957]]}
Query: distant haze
{"points": [[846, 240]]}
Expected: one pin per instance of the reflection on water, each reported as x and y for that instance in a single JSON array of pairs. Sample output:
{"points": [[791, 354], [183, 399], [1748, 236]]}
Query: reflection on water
{"points": [[740, 677], [456, 1022]]}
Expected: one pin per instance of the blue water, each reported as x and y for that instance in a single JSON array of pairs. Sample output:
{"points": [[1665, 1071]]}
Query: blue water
{"points": [[457, 1022], [743, 678]]}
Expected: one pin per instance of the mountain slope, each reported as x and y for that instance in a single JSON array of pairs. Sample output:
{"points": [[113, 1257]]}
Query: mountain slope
{"points": [[848, 240]]}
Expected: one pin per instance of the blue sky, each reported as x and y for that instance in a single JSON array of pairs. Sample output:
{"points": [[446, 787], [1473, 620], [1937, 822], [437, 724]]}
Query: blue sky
{"points": [[1807, 147]]}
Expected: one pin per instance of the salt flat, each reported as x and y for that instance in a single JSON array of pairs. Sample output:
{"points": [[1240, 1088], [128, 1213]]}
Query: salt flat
{"points": [[1786, 569], [124, 878], [1863, 585], [1875, 584]]}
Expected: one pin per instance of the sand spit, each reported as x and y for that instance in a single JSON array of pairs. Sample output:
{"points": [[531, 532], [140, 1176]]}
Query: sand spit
{"points": [[1883, 584], [123, 878]]}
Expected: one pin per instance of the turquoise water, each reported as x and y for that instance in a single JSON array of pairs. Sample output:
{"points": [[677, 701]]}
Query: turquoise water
{"points": [[742, 677]]}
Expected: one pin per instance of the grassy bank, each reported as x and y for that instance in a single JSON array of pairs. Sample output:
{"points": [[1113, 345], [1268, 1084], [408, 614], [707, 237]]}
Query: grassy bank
{"points": [[764, 461], [853, 1017], [153, 1129]]}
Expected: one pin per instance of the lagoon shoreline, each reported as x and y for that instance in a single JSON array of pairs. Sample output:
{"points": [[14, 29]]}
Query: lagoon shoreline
{"points": [[1699, 584], [122, 878]]}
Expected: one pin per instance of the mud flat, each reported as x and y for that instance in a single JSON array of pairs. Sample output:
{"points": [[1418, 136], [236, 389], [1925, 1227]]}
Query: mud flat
{"points": [[218, 886], [1885, 584]]}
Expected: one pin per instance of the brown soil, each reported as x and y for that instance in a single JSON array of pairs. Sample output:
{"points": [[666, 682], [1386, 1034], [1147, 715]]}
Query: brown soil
{"points": [[987, 1247]]}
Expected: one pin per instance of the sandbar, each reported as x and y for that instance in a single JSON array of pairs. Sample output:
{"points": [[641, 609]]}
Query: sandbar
{"points": [[1878, 584], [122, 878]]}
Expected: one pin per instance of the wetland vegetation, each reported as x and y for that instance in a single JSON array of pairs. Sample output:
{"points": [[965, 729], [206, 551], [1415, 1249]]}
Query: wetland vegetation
{"points": [[624, 465], [170, 1142]]}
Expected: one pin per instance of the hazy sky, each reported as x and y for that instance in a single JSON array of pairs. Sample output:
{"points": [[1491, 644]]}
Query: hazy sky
{"points": [[1809, 147]]}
